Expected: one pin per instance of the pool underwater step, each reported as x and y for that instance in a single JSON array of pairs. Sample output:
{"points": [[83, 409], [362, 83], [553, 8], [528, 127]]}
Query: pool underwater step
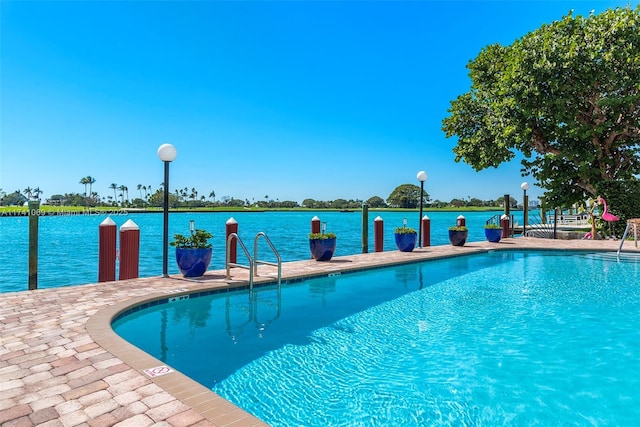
{"points": [[612, 256]]}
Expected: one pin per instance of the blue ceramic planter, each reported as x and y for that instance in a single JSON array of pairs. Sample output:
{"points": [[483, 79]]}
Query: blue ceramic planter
{"points": [[458, 238], [493, 234], [406, 241], [322, 249], [193, 262]]}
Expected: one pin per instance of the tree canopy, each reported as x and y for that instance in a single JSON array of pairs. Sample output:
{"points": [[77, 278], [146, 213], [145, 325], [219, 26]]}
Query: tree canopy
{"points": [[407, 196], [566, 96], [376, 202], [12, 199]]}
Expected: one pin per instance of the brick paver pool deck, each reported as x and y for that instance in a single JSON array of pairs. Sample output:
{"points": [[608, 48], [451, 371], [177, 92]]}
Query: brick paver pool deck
{"points": [[61, 364]]}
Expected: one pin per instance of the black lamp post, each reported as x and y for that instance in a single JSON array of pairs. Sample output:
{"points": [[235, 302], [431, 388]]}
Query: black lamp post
{"points": [[525, 207], [167, 154], [422, 177]]}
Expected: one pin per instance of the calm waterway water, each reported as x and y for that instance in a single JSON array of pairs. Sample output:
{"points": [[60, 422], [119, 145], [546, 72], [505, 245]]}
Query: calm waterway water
{"points": [[68, 244]]}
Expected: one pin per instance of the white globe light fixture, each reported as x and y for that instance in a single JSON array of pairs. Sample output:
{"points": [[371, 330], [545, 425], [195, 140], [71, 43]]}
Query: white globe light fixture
{"points": [[167, 153], [422, 177]]}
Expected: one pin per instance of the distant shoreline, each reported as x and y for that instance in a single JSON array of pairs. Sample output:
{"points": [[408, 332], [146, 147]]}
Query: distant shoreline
{"points": [[46, 210]]}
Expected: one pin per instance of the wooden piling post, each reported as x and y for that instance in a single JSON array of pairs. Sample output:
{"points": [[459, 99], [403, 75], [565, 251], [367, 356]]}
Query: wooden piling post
{"points": [[231, 226], [426, 231], [378, 234], [129, 250], [365, 228], [315, 225], [34, 213], [107, 234]]}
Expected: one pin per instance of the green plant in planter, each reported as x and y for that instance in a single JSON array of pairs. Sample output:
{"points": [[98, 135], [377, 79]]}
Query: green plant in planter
{"points": [[492, 227], [405, 230], [193, 253], [458, 228], [321, 236], [199, 239]]}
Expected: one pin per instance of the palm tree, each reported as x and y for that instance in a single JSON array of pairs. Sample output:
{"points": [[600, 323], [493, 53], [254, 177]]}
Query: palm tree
{"points": [[37, 192], [27, 192], [194, 194], [90, 180], [114, 187], [213, 196], [122, 189], [140, 190], [84, 182]]}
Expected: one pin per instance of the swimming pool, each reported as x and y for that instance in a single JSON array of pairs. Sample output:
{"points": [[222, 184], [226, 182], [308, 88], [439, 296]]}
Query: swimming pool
{"points": [[513, 338]]}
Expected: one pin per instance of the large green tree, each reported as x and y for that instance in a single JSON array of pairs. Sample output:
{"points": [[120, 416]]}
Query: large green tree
{"points": [[13, 199], [376, 202], [407, 196], [566, 96]]}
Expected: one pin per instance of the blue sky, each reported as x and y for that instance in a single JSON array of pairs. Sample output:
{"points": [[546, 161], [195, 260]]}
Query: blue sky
{"points": [[286, 99]]}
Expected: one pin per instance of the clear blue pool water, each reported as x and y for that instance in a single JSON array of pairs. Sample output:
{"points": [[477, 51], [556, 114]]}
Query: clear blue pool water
{"points": [[68, 244], [504, 338]]}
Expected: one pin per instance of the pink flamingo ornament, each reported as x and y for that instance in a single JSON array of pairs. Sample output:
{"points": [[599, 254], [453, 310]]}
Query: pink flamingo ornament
{"points": [[606, 215]]}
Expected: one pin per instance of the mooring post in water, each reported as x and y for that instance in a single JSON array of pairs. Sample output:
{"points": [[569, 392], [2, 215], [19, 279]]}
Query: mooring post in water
{"points": [[129, 250], [365, 228], [378, 234], [107, 233], [506, 226], [231, 226], [34, 213], [315, 225], [315, 228], [426, 231]]}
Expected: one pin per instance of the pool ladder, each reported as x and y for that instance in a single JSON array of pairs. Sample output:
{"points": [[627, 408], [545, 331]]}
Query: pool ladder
{"points": [[253, 261], [634, 222]]}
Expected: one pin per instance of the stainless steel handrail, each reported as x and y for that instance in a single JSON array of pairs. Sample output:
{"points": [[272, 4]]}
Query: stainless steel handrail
{"points": [[228, 264], [273, 249]]}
